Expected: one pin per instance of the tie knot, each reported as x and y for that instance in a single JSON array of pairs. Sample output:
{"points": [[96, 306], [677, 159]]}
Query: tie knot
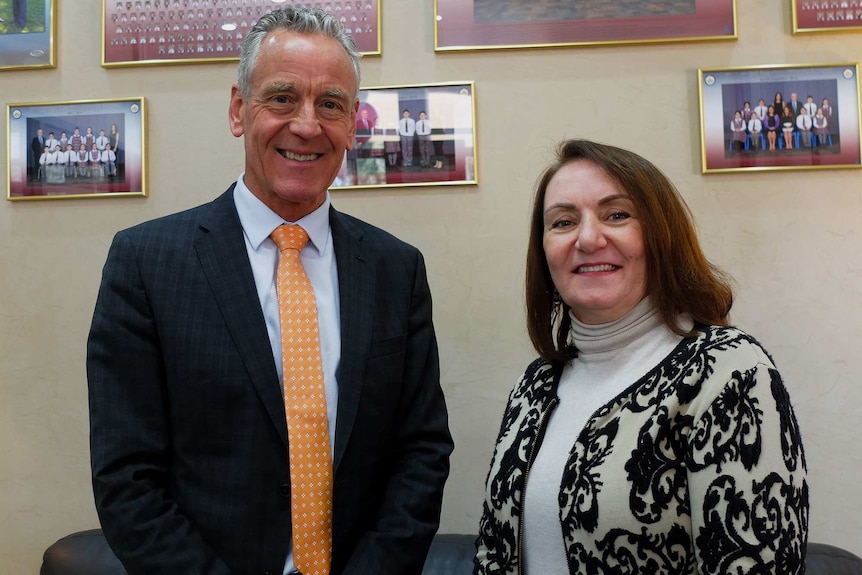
{"points": [[289, 237]]}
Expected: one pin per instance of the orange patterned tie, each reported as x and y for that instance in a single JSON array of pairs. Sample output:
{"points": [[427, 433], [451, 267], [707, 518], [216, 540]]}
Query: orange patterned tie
{"points": [[305, 406]]}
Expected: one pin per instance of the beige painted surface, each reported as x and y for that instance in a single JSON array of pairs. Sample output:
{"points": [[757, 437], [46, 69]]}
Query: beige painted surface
{"points": [[792, 241]]}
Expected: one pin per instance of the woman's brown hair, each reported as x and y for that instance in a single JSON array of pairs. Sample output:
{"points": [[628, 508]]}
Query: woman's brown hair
{"points": [[679, 277]]}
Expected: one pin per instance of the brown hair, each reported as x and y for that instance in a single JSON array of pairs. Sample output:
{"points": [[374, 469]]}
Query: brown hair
{"points": [[679, 277]]}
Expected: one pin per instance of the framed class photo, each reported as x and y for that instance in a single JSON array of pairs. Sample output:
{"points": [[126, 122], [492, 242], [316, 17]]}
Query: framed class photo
{"points": [[420, 135], [826, 15], [153, 32], [784, 117], [505, 24], [83, 149], [28, 34]]}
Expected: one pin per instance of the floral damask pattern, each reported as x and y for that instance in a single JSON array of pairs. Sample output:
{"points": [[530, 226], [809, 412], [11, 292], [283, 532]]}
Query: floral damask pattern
{"points": [[697, 468]]}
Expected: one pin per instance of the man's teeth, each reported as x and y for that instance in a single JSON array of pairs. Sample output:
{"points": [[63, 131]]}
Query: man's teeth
{"points": [[299, 157], [599, 268]]}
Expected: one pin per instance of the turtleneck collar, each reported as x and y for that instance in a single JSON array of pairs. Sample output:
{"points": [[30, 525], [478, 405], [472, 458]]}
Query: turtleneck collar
{"points": [[616, 334]]}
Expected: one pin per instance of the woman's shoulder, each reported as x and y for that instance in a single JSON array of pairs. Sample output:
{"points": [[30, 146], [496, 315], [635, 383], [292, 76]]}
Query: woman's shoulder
{"points": [[731, 344], [540, 378]]}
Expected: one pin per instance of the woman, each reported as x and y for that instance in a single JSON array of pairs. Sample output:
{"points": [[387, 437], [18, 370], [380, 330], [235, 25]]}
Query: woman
{"points": [[649, 437], [778, 102], [115, 142], [771, 123], [788, 119]]}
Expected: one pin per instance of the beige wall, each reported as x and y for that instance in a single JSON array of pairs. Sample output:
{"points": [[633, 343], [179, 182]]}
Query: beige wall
{"points": [[791, 239]]}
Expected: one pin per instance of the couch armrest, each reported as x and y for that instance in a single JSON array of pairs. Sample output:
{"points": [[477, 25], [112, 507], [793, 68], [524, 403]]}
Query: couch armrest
{"points": [[81, 553]]}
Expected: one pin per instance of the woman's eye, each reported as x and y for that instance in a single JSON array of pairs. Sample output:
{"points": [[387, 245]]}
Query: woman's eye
{"points": [[562, 224], [617, 216]]}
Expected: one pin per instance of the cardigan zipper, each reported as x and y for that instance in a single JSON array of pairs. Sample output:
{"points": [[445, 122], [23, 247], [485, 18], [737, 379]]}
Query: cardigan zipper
{"points": [[540, 435]]}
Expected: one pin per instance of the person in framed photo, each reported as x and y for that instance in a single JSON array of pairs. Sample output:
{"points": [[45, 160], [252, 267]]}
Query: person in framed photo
{"points": [[737, 131], [788, 125], [761, 109], [821, 128], [203, 411], [772, 125], [804, 125], [755, 138]]}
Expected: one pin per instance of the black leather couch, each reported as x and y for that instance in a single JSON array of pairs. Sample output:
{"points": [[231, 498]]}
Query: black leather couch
{"points": [[87, 553]]}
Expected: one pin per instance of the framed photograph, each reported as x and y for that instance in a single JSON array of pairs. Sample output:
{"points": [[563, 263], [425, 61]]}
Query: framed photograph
{"points": [[154, 32], [826, 15], [420, 135], [784, 117], [504, 24], [83, 149], [28, 34]]}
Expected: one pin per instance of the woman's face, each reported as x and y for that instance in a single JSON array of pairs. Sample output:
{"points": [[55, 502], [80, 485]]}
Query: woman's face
{"points": [[778, 96], [594, 243]]}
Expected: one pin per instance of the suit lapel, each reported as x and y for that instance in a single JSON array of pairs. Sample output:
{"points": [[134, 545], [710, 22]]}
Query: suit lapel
{"points": [[224, 260], [356, 285]]}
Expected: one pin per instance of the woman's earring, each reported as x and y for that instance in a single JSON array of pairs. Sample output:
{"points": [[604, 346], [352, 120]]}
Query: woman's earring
{"points": [[556, 314]]}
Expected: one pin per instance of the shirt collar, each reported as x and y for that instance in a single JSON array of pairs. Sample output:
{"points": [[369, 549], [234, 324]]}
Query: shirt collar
{"points": [[258, 220]]}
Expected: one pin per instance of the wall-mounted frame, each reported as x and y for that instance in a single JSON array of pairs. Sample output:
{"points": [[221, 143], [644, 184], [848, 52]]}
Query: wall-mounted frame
{"points": [[826, 15], [28, 34], [505, 24], [417, 135], [792, 140], [65, 128], [155, 32]]}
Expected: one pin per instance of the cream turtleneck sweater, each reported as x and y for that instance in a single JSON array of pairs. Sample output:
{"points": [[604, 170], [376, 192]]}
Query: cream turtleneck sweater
{"points": [[611, 357]]}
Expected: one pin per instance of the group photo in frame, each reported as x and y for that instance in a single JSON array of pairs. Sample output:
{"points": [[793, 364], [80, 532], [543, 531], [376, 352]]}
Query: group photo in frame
{"points": [[154, 32], [506, 24], [818, 124], [28, 34], [417, 135], [826, 15], [81, 149]]}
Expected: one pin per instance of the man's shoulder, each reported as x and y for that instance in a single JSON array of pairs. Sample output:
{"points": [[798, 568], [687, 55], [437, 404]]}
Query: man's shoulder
{"points": [[369, 234], [185, 221]]}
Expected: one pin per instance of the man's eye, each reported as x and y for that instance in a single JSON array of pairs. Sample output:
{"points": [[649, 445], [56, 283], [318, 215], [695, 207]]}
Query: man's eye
{"points": [[281, 99]]}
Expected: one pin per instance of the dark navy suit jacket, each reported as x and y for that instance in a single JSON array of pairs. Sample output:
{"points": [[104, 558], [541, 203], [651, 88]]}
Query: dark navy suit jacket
{"points": [[188, 436]]}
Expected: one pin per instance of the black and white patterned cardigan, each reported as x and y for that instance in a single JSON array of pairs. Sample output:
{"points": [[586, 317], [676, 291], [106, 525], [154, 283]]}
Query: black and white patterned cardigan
{"points": [[697, 468]]}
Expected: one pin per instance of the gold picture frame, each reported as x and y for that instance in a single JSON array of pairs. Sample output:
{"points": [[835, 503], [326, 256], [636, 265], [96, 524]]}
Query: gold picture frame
{"points": [[28, 34], [159, 32], [63, 130], [461, 25], [818, 128], [414, 135], [826, 16]]}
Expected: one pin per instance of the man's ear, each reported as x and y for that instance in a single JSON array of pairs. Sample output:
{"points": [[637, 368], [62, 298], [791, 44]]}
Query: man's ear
{"points": [[235, 111]]}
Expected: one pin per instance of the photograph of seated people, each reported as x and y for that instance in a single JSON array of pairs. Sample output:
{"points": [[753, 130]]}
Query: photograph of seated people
{"points": [[206, 402], [650, 436], [790, 127]]}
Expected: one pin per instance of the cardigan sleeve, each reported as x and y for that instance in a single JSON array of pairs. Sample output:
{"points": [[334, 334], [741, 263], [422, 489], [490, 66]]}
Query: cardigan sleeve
{"points": [[746, 473]]}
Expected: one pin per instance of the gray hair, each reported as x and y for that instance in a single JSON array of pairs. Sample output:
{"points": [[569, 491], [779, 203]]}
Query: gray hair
{"points": [[296, 19]]}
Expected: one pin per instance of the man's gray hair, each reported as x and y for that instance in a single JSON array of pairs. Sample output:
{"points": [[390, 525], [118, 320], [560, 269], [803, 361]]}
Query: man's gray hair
{"points": [[296, 19]]}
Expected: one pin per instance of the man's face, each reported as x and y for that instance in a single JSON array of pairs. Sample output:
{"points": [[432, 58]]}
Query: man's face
{"points": [[298, 121]]}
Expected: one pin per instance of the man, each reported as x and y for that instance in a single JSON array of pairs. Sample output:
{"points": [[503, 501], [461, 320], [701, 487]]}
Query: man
{"points": [[37, 147], [192, 465], [407, 131]]}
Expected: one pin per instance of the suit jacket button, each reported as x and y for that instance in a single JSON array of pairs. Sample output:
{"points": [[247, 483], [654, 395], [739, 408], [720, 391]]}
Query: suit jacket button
{"points": [[284, 490]]}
